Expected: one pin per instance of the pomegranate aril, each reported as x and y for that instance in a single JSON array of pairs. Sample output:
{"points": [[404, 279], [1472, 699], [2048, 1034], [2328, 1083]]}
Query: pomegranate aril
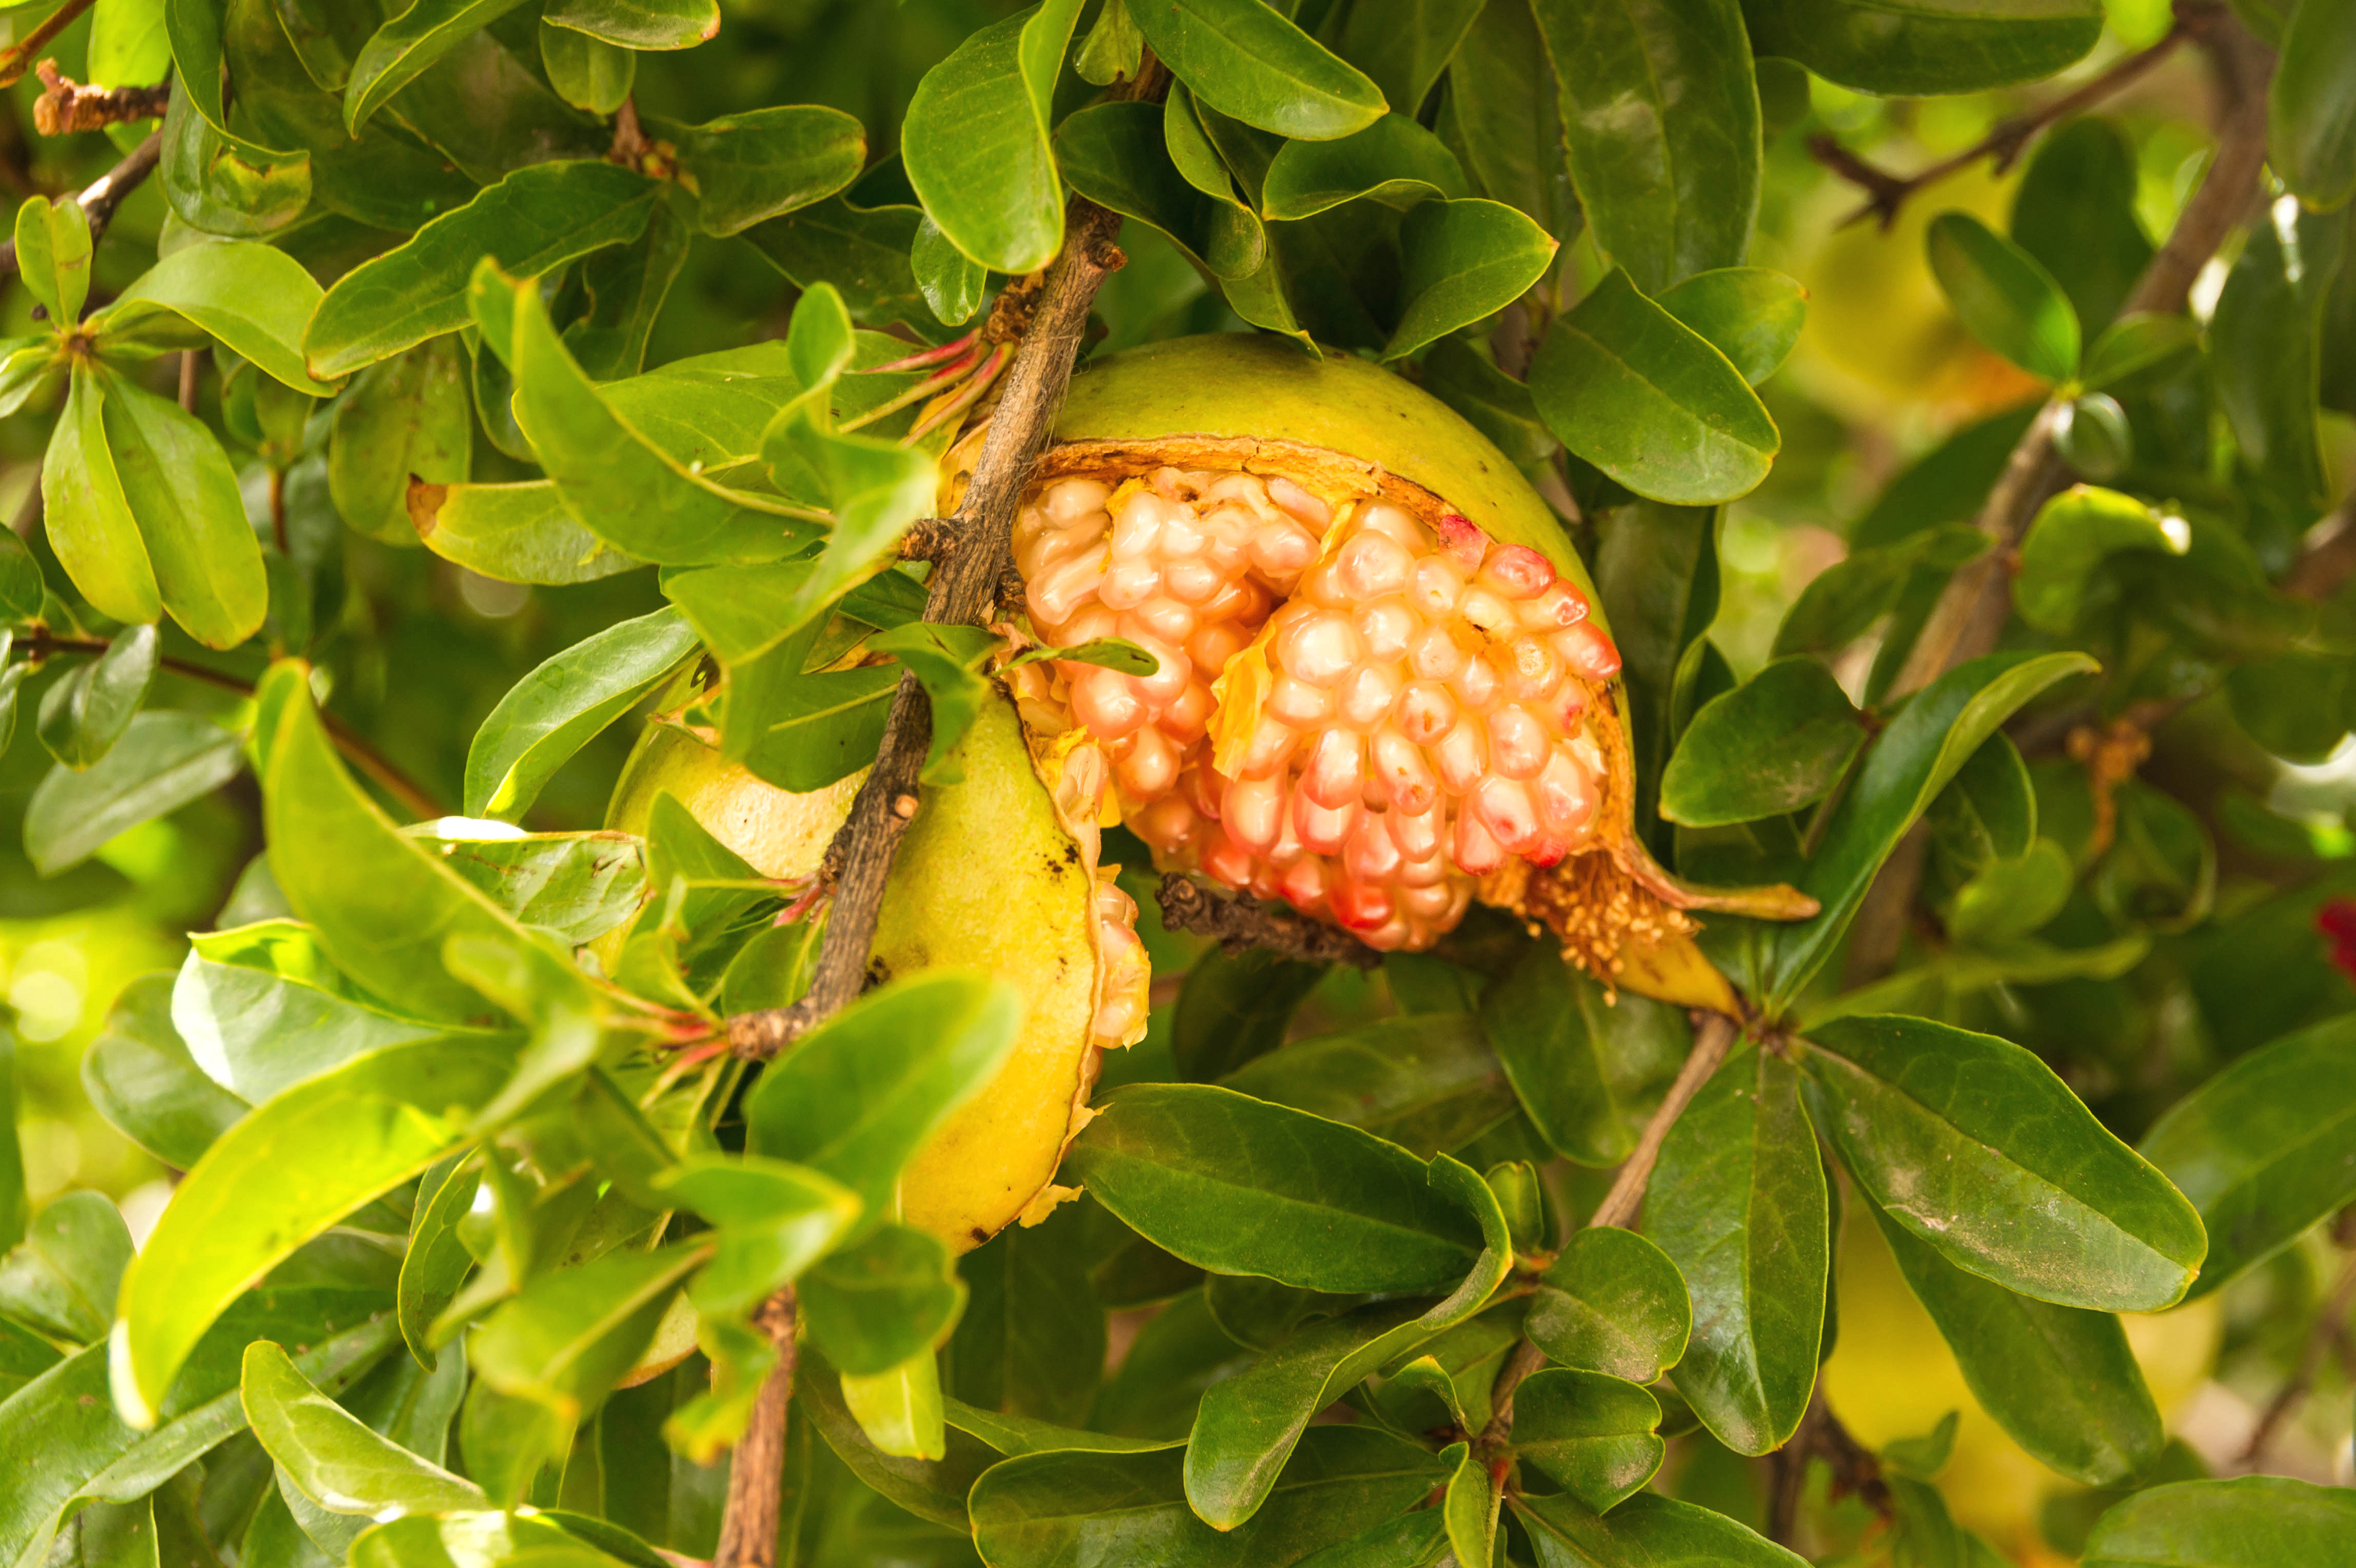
{"points": [[1167, 824], [1370, 855], [1417, 833], [1323, 830], [1387, 627], [1359, 905], [1566, 796], [1461, 757], [1195, 582], [1367, 695], [1129, 583], [1303, 886], [1437, 655], [1188, 718], [1103, 702], [1253, 812], [1372, 565], [1298, 703], [1319, 647], [1067, 499], [1475, 685], [1281, 550], [1504, 808], [1335, 773], [1400, 775], [1475, 851], [1560, 606], [1517, 572], [1300, 504], [1426, 712], [1149, 767], [1272, 744], [1518, 744], [1532, 669], [1588, 652], [1438, 585], [1485, 610], [1163, 619]]}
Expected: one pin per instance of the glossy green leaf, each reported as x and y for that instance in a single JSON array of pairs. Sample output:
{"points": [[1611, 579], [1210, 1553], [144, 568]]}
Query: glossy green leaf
{"points": [[1404, 45], [1503, 115], [2074, 533], [1428, 1083], [1904, 769], [1646, 1529], [824, 728], [900, 1409], [1750, 314], [2243, 1523], [1738, 1203], [2138, 344], [90, 522], [771, 1221], [575, 886], [86, 713], [2008, 300], [2312, 105], [140, 1077], [163, 761], [1030, 1344], [437, 1261], [975, 140], [1583, 1064], [1232, 1009], [1777, 742], [1592, 1433], [399, 51], [948, 660], [383, 907], [53, 248], [1394, 161], [517, 533], [861, 1094], [531, 222], [1660, 121], [584, 70], [1650, 402], [1247, 60], [1463, 261], [570, 1336], [331, 1455], [639, 24], [1052, 1507], [283, 1175], [1611, 1303], [1014, 1436], [61, 1279], [180, 487], [765, 162], [254, 299], [1239, 1186], [1468, 1506], [404, 419], [2266, 1148], [2060, 1380], [1974, 1145], [881, 1301], [954, 286], [552, 713], [1923, 47], [2263, 355]]}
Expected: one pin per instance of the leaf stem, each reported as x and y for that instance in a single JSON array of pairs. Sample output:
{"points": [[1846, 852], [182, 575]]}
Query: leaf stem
{"points": [[748, 1529], [1712, 1041], [45, 644]]}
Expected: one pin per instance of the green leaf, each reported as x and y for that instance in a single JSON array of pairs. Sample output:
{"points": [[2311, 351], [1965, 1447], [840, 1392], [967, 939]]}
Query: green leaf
{"points": [[948, 660], [2006, 298], [85, 714], [1053, 1508], [2010, 896], [253, 299], [900, 1409], [571, 1334], [517, 533], [1660, 121], [1238, 1186], [21, 588], [1904, 769], [437, 1262], [1974, 1145], [1250, 62], [1611, 1303], [862, 251], [1921, 47], [531, 222], [128, 45], [1750, 314], [215, 181], [2244, 1522], [1650, 402], [405, 419], [62, 1278], [180, 488], [1502, 113], [2139, 344], [1580, 1061], [1646, 1529], [402, 50], [1777, 742], [862, 1093], [2266, 1148], [1030, 1344], [764, 163], [53, 249], [331, 1455], [163, 761], [2060, 1380], [1248, 1425], [882, 1301], [284, 1175], [1014, 1436], [772, 1220], [1394, 161], [1463, 262], [953, 285], [140, 1077], [569, 699], [639, 24], [1428, 1083], [1593, 1434], [2074, 533], [89, 522], [575, 886], [2076, 212], [584, 70], [383, 905], [1469, 1505], [1404, 45], [2262, 352], [975, 140], [2312, 105], [822, 728], [1232, 1009], [1739, 1205]]}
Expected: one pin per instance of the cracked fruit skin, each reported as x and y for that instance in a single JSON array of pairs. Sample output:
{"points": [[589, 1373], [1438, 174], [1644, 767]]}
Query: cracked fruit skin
{"points": [[994, 874], [1384, 684]]}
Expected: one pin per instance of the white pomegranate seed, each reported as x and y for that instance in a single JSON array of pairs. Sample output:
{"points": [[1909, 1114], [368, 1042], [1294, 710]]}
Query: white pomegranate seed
{"points": [[1253, 811], [1129, 583], [1426, 712], [1438, 585], [1311, 511], [1299, 703], [1461, 756], [1518, 745], [1418, 833], [1437, 655], [1318, 647], [1069, 500], [1273, 742], [1335, 772], [1367, 695], [1102, 700], [1373, 565], [1387, 627], [1475, 685], [1532, 669]]}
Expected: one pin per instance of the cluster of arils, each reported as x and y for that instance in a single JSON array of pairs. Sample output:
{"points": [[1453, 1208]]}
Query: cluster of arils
{"points": [[1354, 711]]}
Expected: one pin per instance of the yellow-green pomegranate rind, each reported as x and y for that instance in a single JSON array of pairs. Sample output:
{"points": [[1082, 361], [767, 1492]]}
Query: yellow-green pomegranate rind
{"points": [[1237, 385]]}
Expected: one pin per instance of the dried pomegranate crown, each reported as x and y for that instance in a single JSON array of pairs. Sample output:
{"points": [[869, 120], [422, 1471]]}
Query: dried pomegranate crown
{"points": [[1384, 687]]}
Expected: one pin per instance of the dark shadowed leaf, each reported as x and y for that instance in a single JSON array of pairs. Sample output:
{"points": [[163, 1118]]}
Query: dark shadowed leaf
{"points": [[1925, 46], [1583, 1065], [1428, 1083], [1647, 1529]]}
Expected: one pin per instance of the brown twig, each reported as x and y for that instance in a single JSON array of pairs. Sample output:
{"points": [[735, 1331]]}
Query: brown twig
{"points": [[1243, 922], [103, 195], [2325, 566], [66, 106], [1712, 1041], [2329, 1323], [748, 1529], [962, 592], [1971, 613], [1887, 193], [45, 644], [17, 56], [188, 381]]}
